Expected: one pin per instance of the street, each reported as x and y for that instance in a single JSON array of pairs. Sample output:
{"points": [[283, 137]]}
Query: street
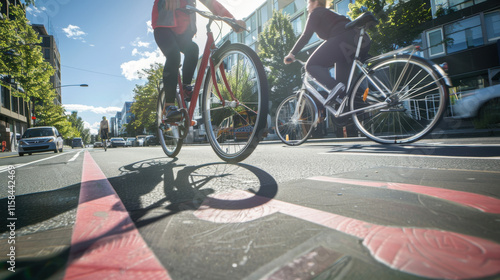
{"points": [[328, 209]]}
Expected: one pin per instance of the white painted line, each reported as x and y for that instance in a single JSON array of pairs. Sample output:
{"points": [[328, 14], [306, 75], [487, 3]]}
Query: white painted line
{"points": [[5, 168], [403, 155], [75, 156]]}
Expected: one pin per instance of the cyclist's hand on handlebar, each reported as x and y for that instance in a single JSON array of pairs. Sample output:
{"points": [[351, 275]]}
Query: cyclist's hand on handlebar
{"points": [[241, 26], [289, 58]]}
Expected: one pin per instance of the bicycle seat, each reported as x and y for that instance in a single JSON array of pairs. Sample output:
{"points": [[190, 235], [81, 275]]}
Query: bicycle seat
{"points": [[364, 20]]}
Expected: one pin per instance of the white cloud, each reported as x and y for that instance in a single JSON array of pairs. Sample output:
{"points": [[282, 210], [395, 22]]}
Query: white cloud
{"points": [[74, 32], [94, 128], [131, 68], [150, 28], [140, 44], [86, 108]]}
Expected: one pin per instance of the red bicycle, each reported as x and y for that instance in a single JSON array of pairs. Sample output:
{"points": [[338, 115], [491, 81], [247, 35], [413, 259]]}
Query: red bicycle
{"points": [[234, 99]]}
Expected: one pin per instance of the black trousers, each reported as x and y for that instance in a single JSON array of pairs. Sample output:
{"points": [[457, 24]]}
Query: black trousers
{"points": [[171, 45], [337, 51]]}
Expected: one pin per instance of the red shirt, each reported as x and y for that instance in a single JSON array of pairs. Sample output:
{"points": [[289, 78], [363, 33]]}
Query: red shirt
{"points": [[181, 20]]}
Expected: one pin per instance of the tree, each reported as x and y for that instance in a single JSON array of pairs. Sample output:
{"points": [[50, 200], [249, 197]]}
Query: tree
{"points": [[21, 58], [146, 97], [400, 23], [50, 114], [275, 42]]}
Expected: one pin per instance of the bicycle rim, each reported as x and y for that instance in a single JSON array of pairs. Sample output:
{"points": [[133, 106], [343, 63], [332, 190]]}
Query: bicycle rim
{"points": [[413, 96], [294, 121], [235, 116], [170, 135]]}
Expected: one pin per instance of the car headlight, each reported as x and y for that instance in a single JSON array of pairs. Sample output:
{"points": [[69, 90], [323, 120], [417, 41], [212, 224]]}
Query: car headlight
{"points": [[22, 143], [50, 140]]}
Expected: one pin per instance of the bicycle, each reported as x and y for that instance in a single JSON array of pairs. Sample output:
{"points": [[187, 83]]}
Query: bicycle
{"points": [[234, 101], [396, 98]]}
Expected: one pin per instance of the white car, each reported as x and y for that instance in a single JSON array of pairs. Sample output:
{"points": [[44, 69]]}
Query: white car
{"points": [[476, 103], [40, 139]]}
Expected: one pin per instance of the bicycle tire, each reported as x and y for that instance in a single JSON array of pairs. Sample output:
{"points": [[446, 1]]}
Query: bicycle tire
{"points": [[171, 135], [415, 99], [234, 126], [294, 128]]}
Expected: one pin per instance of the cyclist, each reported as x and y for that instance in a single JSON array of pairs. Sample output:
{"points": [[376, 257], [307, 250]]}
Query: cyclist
{"points": [[338, 49], [104, 129], [173, 31]]}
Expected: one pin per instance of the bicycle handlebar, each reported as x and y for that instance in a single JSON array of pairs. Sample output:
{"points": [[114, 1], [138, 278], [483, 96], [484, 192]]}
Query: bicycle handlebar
{"points": [[230, 21], [296, 60]]}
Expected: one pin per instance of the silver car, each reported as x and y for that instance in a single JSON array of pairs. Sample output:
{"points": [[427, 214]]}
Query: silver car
{"points": [[40, 139], [477, 102]]}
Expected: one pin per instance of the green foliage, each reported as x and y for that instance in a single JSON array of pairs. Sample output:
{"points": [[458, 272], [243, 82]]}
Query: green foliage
{"points": [[28, 66], [275, 42], [400, 24], [146, 97]]}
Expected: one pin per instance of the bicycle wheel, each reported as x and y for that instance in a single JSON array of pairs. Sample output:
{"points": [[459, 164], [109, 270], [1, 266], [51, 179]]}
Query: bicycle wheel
{"points": [[413, 98], [171, 134], [295, 121], [235, 103]]}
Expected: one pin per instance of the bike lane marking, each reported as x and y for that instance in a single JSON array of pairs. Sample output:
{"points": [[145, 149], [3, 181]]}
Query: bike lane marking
{"points": [[105, 243], [419, 251], [480, 202]]}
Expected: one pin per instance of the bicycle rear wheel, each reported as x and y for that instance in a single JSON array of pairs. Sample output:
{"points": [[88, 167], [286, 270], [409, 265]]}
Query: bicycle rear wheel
{"points": [[235, 105], [295, 120], [171, 134], [415, 99]]}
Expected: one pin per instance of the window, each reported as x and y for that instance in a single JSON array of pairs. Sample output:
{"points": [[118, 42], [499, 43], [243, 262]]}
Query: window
{"points": [[251, 37], [342, 6], [297, 26], [435, 42], [289, 9], [463, 34], [492, 25]]}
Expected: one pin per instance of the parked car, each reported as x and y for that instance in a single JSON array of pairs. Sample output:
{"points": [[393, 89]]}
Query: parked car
{"points": [[151, 140], [130, 142], [40, 139], [77, 142], [117, 142], [481, 104], [98, 144]]}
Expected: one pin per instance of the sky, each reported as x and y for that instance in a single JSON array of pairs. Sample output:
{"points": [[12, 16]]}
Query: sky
{"points": [[103, 43]]}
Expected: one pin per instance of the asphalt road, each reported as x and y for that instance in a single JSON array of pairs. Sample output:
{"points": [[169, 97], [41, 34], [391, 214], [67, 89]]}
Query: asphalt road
{"points": [[323, 210]]}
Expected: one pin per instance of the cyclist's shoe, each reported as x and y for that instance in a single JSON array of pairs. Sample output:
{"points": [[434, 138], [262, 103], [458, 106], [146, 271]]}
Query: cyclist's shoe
{"points": [[336, 94], [188, 92], [172, 114]]}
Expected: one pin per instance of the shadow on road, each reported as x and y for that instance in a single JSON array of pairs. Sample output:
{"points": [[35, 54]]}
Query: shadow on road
{"points": [[420, 149]]}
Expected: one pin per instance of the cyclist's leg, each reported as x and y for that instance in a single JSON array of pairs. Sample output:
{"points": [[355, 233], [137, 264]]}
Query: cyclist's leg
{"points": [[166, 40]]}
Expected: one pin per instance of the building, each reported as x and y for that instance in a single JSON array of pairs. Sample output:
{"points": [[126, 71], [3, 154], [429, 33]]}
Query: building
{"points": [[51, 55], [13, 110], [466, 35], [126, 118]]}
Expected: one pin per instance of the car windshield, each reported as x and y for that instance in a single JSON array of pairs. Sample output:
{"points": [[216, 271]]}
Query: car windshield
{"points": [[38, 132]]}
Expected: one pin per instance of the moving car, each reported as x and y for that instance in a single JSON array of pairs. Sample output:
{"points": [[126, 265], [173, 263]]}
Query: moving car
{"points": [[482, 104], [40, 139], [117, 142], [77, 142], [98, 144]]}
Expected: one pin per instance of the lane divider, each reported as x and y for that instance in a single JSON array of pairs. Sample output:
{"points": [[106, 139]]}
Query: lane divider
{"points": [[105, 243], [480, 202], [424, 252]]}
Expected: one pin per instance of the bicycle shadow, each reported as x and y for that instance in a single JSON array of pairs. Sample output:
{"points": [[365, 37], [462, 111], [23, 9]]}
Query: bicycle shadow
{"points": [[422, 149], [155, 189]]}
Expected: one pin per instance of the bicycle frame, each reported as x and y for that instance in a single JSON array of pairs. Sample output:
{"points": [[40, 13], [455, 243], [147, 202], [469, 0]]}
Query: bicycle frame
{"points": [[357, 64], [209, 50]]}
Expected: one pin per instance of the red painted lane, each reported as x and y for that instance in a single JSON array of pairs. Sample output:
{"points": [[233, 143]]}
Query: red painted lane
{"points": [[423, 252], [480, 202], [105, 242]]}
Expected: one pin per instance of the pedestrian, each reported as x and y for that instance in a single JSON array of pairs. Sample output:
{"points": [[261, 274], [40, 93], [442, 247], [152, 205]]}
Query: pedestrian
{"points": [[174, 30], [337, 50]]}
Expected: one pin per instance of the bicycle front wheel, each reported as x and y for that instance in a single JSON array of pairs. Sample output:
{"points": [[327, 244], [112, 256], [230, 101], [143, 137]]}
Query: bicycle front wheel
{"points": [[295, 119], [171, 135], [235, 102], [412, 97]]}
